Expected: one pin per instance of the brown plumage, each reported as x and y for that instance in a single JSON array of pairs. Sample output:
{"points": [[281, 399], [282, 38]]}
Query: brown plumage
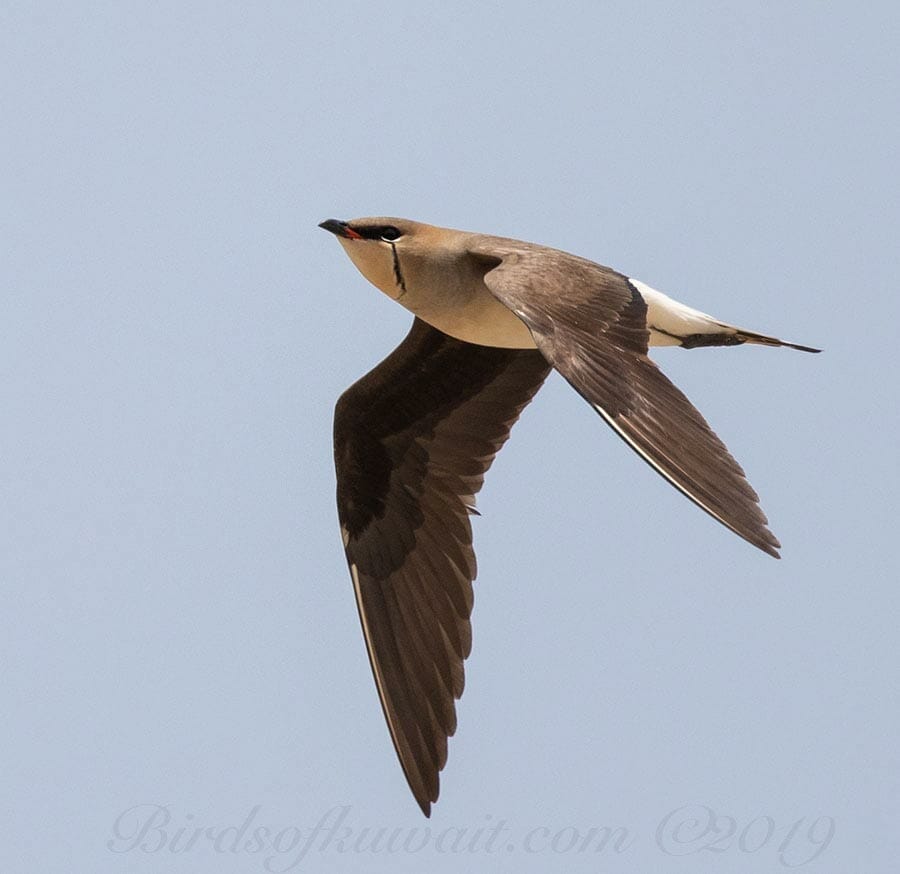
{"points": [[414, 437]]}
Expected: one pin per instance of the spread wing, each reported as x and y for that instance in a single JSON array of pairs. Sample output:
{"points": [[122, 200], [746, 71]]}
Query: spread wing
{"points": [[413, 440], [591, 324]]}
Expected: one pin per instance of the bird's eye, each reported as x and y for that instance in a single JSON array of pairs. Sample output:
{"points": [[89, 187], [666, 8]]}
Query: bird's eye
{"points": [[390, 234]]}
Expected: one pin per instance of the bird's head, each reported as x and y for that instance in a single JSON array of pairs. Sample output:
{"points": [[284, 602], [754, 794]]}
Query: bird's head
{"points": [[387, 251]]}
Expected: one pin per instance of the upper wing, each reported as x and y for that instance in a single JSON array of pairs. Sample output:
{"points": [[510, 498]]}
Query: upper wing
{"points": [[412, 441], [591, 324]]}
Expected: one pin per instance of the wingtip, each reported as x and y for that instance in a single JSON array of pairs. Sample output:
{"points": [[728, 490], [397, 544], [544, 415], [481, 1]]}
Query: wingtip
{"points": [[769, 546], [765, 546]]}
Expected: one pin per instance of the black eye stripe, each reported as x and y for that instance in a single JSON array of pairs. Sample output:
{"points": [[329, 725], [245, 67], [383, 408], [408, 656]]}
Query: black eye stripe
{"points": [[378, 232]]}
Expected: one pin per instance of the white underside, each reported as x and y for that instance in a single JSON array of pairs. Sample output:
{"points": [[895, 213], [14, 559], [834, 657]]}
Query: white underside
{"points": [[669, 320]]}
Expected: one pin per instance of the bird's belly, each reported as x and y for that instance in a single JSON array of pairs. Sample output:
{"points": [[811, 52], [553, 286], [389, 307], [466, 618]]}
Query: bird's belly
{"points": [[482, 320]]}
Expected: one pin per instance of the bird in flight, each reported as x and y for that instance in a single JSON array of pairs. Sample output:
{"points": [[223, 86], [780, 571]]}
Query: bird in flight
{"points": [[414, 438]]}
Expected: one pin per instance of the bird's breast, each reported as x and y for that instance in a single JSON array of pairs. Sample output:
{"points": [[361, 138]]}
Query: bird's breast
{"points": [[476, 317]]}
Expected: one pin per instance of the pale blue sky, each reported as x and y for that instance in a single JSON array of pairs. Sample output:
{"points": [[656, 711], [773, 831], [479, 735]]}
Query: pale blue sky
{"points": [[179, 626]]}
